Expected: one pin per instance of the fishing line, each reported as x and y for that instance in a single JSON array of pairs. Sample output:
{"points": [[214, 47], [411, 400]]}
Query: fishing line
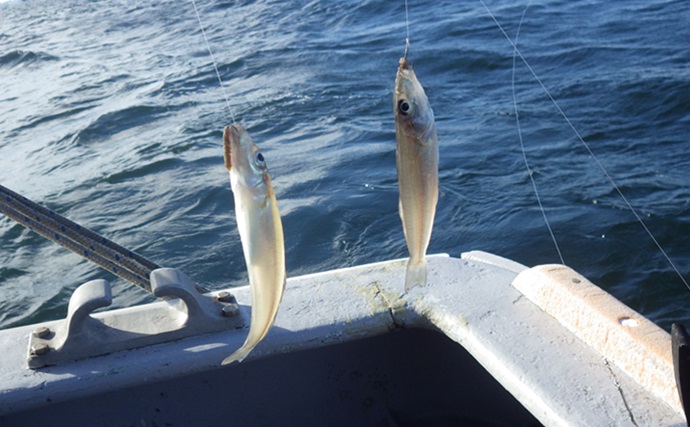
{"points": [[407, 31], [522, 143], [616, 383], [589, 150], [215, 64]]}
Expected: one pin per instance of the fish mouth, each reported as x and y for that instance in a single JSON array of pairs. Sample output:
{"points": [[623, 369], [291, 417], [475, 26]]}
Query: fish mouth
{"points": [[405, 64], [231, 136], [405, 74]]}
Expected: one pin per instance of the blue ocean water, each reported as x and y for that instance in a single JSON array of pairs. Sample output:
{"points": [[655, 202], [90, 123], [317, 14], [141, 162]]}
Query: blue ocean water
{"points": [[111, 114]]}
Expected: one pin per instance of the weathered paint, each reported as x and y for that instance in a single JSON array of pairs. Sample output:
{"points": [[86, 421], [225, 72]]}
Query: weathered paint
{"points": [[557, 376]]}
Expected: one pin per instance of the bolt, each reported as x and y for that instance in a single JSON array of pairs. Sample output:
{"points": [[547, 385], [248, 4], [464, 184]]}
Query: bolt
{"points": [[40, 349], [627, 321], [226, 296], [41, 332], [229, 310]]}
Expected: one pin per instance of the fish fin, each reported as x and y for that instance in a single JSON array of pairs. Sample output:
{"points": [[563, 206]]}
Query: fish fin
{"points": [[254, 337], [416, 274], [238, 355]]}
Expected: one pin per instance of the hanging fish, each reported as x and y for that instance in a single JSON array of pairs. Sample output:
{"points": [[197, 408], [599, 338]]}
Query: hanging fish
{"points": [[417, 162], [261, 232]]}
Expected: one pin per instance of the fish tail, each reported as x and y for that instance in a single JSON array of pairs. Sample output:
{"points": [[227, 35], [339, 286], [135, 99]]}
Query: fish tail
{"points": [[238, 355], [416, 273], [254, 337]]}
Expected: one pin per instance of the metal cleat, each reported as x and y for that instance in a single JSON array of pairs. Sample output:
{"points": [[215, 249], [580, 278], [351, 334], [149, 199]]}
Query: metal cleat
{"points": [[186, 312]]}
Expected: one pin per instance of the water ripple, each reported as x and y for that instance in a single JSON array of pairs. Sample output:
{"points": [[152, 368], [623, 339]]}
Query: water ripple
{"points": [[22, 58], [113, 116]]}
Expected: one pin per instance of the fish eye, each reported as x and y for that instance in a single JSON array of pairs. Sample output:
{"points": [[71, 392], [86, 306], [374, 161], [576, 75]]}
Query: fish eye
{"points": [[260, 158], [404, 107]]}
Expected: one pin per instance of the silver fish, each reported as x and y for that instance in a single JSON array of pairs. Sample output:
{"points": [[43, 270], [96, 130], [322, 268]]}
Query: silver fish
{"points": [[261, 232], [417, 162]]}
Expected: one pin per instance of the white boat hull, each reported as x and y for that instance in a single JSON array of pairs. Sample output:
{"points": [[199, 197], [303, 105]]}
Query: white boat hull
{"points": [[348, 349]]}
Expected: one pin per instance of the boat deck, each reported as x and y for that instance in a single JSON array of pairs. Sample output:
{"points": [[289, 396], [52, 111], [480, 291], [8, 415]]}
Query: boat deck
{"points": [[349, 348]]}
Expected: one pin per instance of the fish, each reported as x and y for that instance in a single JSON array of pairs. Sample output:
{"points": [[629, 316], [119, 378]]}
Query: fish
{"points": [[261, 233], [416, 159]]}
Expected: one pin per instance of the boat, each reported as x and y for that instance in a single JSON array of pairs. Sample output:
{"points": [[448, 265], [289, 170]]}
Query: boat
{"points": [[487, 342]]}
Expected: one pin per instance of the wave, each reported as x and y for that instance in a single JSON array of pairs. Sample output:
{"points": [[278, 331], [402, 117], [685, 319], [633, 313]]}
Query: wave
{"points": [[111, 123], [149, 169], [8, 273], [658, 98], [34, 121], [17, 58]]}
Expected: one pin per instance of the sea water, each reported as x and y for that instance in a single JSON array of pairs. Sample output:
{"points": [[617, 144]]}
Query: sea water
{"points": [[111, 114]]}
